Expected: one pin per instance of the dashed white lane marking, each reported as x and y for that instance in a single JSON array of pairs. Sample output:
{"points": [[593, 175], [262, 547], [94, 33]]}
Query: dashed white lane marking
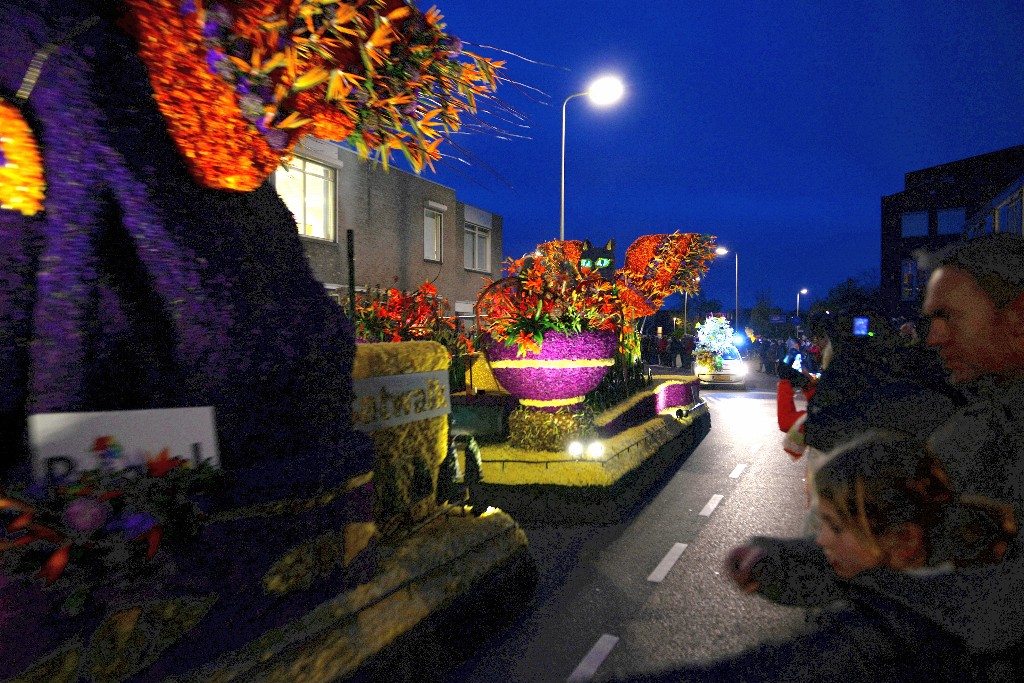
{"points": [[738, 471], [586, 669], [712, 504], [667, 562]]}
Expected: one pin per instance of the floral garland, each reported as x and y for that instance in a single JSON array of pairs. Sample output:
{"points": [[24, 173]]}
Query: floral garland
{"points": [[240, 81], [22, 187]]}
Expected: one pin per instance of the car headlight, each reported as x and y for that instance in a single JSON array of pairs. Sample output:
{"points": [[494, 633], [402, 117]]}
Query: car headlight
{"points": [[741, 369]]}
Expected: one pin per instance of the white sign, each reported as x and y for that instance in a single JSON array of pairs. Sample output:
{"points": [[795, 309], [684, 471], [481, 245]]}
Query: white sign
{"points": [[66, 443], [392, 400]]}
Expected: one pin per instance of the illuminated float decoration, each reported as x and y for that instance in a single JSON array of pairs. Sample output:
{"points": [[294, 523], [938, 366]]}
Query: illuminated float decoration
{"points": [[557, 324]]}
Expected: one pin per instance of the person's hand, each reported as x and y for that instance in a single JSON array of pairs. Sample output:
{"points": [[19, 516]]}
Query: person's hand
{"points": [[739, 565]]}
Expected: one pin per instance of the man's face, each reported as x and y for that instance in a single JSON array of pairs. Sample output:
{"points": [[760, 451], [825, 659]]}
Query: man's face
{"points": [[966, 326]]}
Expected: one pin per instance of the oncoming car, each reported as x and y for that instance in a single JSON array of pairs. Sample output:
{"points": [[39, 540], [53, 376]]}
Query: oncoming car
{"points": [[733, 371]]}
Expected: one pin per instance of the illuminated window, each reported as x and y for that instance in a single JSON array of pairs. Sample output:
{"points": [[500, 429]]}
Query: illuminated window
{"points": [[431, 235], [915, 224], [308, 189], [478, 248]]}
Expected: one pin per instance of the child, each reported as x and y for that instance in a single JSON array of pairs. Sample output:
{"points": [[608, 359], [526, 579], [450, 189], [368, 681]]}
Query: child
{"points": [[884, 501]]}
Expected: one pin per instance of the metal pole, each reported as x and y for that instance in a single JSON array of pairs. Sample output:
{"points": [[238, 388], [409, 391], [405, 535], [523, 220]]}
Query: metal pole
{"points": [[561, 218], [686, 297], [737, 321], [350, 243], [798, 304]]}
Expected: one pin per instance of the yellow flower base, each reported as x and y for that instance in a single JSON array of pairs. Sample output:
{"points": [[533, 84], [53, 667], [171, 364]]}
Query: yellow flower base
{"points": [[415, 577], [623, 453], [408, 452]]}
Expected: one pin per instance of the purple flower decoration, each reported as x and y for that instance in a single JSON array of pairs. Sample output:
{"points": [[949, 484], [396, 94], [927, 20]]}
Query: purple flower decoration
{"points": [[213, 60], [188, 7], [137, 524], [86, 514], [454, 46]]}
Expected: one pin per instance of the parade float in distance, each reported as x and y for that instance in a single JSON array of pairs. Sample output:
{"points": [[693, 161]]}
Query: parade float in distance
{"points": [[204, 475]]}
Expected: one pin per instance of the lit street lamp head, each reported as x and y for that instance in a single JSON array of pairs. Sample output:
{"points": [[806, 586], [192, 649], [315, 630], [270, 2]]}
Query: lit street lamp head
{"points": [[605, 90]]}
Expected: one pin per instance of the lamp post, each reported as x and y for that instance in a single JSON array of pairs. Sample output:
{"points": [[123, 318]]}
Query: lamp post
{"points": [[802, 291], [686, 300], [605, 90], [722, 251]]}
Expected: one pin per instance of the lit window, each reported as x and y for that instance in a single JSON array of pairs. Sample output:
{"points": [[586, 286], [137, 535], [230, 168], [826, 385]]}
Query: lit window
{"points": [[915, 224], [478, 248], [431, 235], [307, 188], [951, 221]]}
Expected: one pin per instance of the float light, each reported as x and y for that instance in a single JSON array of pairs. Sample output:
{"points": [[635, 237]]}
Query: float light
{"points": [[575, 449], [595, 450]]}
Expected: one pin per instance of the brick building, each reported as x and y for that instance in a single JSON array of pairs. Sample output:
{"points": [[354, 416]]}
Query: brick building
{"points": [[406, 229], [940, 205]]}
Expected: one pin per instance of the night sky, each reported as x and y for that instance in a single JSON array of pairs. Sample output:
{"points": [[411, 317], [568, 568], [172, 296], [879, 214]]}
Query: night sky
{"points": [[775, 126]]}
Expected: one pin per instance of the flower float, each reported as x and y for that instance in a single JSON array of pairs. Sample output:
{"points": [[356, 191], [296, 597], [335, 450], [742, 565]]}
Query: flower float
{"points": [[557, 324], [714, 335], [240, 81]]}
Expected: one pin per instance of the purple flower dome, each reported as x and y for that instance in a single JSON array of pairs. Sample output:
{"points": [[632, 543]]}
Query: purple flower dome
{"points": [[188, 7]]}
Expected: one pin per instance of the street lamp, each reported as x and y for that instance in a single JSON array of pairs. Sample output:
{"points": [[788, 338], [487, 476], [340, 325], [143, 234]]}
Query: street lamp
{"points": [[603, 91], [722, 251], [802, 291]]}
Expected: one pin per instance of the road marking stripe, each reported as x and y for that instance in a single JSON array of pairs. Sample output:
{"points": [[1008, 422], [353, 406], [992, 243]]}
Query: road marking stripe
{"points": [[586, 669], [712, 504], [667, 562], [738, 471]]}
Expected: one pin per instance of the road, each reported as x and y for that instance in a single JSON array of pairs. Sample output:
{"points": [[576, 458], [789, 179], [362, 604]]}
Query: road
{"points": [[647, 592]]}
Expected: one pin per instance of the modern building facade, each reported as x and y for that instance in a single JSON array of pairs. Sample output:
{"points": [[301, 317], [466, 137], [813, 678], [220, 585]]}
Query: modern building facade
{"points": [[405, 228], [940, 205]]}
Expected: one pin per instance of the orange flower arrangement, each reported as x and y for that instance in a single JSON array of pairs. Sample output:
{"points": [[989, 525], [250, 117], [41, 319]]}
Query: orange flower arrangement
{"points": [[22, 187], [547, 291], [240, 81]]}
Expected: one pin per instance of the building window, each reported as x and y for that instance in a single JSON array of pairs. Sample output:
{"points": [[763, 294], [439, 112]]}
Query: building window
{"points": [[908, 280], [915, 224], [308, 189], [478, 248], [431, 235], [951, 221]]}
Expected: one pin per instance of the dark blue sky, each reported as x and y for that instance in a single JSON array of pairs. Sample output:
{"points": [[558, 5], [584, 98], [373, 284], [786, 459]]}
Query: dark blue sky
{"points": [[776, 126]]}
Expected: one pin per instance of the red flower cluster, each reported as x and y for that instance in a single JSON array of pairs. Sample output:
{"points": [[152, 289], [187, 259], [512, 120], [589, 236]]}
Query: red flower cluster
{"points": [[392, 316]]}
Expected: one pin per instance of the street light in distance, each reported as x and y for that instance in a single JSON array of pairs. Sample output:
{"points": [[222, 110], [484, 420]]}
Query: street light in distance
{"points": [[604, 91], [802, 291], [722, 251]]}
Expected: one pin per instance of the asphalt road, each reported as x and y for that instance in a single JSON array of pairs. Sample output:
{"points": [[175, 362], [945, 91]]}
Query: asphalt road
{"points": [[646, 591]]}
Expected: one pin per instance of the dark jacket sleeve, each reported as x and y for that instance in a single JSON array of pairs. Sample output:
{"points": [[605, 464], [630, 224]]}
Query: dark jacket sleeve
{"points": [[794, 571]]}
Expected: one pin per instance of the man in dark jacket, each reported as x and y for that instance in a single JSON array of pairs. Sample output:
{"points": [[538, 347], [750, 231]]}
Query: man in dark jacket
{"points": [[975, 302]]}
